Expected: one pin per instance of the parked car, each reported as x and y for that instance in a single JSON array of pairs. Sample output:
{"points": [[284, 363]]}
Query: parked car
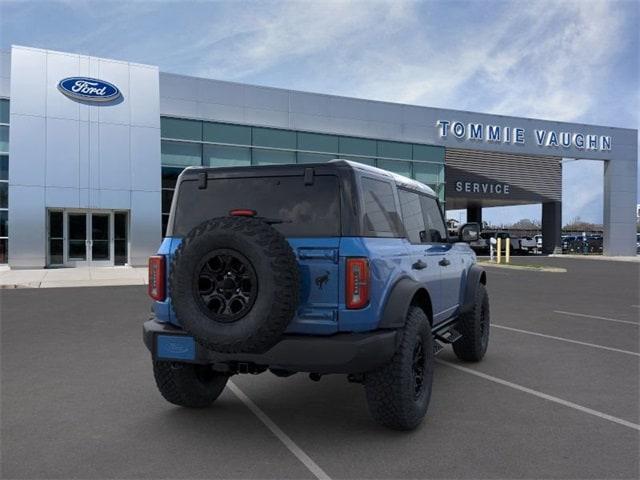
{"points": [[528, 245], [538, 239], [322, 268]]}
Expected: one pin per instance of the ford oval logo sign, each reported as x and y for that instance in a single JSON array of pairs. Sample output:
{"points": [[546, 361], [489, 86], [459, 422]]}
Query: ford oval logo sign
{"points": [[88, 89]]}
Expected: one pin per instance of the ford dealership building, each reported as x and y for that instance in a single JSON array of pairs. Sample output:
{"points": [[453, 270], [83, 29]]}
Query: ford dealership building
{"points": [[90, 150]]}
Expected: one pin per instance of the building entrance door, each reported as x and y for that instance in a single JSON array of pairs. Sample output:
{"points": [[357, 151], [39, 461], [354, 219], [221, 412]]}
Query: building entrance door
{"points": [[87, 238]]}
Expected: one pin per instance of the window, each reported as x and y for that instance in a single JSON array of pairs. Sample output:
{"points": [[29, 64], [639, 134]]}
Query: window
{"points": [[394, 150], [225, 133], [271, 137], [272, 157], [380, 215], [170, 176], [395, 166], [4, 181], [4, 111], [358, 146], [428, 153], [436, 231], [4, 220], [218, 144], [316, 142], [169, 179], [304, 157], [165, 222], [4, 233], [412, 216], [224, 156], [179, 128], [4, 139], [184, 154], [4, 194], [4, 167], [167, 196], [428, 173], [314, 213]]}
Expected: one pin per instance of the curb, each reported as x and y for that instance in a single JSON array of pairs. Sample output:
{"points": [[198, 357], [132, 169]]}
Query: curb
{"points": [[601, 258], [523, 267], [72, 284]]}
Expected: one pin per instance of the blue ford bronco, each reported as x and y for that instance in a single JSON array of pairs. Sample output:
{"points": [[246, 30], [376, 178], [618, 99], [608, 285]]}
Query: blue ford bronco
{"points": [[326, 268]]}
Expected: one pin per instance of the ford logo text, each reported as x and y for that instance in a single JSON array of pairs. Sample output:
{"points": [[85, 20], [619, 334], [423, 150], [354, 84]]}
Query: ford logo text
{"points": [[88, 89]]}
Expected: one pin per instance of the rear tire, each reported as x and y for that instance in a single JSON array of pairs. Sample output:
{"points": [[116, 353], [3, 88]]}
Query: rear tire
{"points": [[188, 385], [398, 394], [474, 327]]}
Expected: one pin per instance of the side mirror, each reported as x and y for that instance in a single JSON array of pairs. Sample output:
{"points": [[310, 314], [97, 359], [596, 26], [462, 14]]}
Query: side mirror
{"points": [[470, 232]]}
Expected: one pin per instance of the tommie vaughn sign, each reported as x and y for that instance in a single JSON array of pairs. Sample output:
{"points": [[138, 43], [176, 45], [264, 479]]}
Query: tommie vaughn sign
{"points": [[478, 132], [88, 89]]}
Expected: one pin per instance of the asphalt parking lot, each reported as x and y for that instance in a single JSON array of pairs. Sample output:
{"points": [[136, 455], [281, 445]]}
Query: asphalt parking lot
{"points": [[556, 397]]}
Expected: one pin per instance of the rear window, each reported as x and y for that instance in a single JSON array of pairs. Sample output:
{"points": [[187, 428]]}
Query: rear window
{"points": [[305, 210]]}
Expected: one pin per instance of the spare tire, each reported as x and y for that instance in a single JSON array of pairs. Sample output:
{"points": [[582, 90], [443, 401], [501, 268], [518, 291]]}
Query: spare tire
{"points": [[234, 284]]}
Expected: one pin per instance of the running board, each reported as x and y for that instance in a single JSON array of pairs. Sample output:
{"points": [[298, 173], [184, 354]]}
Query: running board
{"points": [[448, 336], [446, 332]]}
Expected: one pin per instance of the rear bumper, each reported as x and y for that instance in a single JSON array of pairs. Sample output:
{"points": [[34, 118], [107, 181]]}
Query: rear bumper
{"points": [[339, 353]]}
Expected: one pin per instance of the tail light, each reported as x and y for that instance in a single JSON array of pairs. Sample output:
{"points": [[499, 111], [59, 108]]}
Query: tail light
{"points": [[357, 294], [156, 277]]}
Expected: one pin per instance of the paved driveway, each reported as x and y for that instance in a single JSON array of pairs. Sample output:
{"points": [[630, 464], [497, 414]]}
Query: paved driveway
{"points": [[556, 397]]}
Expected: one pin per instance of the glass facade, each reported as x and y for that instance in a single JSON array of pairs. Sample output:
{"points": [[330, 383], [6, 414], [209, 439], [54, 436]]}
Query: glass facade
{"points": [[4, 180], [194, 142]]}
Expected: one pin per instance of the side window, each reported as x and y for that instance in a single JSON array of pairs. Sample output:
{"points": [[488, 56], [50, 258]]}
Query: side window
{"points": [[412, 215], [435, 229], [380, 215]]}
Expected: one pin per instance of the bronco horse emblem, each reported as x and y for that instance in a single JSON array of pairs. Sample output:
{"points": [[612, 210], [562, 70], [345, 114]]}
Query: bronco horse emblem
{"points": [[322, 279]]}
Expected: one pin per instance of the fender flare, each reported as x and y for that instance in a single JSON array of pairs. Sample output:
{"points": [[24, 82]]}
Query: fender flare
{"points": [[475, 277], [395, 310]]}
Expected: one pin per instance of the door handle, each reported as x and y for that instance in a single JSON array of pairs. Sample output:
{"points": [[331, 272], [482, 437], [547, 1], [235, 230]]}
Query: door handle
{"points": [[419, 265], [444, 262]]}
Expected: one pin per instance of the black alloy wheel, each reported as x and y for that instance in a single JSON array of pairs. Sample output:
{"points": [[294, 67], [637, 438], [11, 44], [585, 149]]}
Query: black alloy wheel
{"points": [[226, 285]]}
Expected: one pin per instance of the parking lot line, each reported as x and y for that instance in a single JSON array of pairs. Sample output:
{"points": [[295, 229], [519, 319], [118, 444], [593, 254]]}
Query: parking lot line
{"points": [[563, 339], [573, 314], [277, 431], [545, 396]]}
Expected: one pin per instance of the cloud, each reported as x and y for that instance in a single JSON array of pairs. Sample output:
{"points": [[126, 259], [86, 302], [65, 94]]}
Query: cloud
{"points": [[570, 60]]}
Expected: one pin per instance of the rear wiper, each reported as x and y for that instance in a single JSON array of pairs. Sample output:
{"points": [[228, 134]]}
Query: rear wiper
{"points": [[273, 221]]}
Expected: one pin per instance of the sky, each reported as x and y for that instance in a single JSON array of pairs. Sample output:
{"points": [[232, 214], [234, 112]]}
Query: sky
{"points": [[558, 60]]}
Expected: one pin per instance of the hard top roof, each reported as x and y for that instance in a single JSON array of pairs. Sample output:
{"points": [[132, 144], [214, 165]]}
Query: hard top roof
{"points": [[320, 168]]}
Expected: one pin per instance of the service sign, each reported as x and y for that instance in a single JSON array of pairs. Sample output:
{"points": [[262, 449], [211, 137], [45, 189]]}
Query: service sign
{"points": [[88, 89], [478, 132]]}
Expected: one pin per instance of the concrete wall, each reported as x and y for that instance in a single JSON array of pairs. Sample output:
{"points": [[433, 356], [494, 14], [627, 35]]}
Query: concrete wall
{"points": [[68, 154], [620, 199]]}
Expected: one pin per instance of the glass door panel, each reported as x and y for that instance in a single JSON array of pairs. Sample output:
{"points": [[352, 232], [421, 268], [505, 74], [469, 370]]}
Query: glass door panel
{"points": [[120, 242], [56, 238], [100, 237], [77, 236]]}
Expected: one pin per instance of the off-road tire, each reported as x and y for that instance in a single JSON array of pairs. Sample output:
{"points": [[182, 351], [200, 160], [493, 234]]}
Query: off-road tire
{"points": [[188, 385], [391, 390], [474, 326], [277, 277]]}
